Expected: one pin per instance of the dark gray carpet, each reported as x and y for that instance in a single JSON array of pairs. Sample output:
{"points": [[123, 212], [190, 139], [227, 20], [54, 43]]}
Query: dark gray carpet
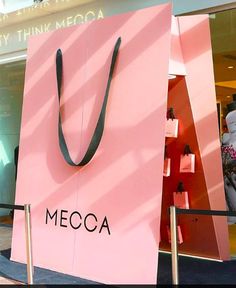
{"points": [[17, 271], [191, 271], [196, 271]]}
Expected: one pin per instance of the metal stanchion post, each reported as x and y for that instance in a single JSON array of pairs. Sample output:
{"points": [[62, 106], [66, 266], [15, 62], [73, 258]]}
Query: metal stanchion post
{"points": [[174, 245], [28, 244]]}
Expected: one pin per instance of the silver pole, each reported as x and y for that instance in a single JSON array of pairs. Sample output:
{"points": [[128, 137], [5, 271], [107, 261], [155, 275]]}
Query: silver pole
{"points": [[174, 245], [28, 244]]}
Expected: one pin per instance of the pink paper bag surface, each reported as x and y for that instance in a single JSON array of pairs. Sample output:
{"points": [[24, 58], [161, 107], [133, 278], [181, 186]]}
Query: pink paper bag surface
{"points": [[187, 163], [181, 199], [100, 222], [172, 128]]}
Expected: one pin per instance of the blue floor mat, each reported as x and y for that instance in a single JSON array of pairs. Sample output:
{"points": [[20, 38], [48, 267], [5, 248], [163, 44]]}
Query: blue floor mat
{"points": [[191, 271], [17, 271]]}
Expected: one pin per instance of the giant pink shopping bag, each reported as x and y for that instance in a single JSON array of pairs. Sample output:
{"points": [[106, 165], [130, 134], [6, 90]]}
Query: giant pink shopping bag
{"points": [[102, 217]]}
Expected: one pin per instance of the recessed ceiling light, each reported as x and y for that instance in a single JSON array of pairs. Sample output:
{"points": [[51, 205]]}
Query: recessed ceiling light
{"points": [[230, 67], [228, 96]]}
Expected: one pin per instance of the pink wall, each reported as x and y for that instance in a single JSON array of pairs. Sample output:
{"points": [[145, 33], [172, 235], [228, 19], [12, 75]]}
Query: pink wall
{"points": [[201, 89], [200, 236], [123, 181], [176, 61], [194, 102]]}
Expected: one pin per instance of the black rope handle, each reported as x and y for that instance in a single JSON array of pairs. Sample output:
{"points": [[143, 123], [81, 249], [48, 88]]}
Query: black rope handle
{"points": [[170, 114], [187, 150], [180, 187], [97, 135]]}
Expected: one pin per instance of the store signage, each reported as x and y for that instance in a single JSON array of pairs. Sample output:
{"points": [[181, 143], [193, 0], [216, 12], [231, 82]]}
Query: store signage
{"points": [[4, 39], [75, 220], [24, 33], [14, 37]]}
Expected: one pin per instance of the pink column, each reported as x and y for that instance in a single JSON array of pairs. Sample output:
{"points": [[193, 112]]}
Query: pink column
{"points": [[197, 53]]}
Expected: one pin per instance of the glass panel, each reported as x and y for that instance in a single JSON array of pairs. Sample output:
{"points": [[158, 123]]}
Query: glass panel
{"points": [[11, 95], [223, 33]]}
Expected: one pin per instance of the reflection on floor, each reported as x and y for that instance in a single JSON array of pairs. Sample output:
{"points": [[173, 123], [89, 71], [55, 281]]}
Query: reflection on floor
{"points": [[5, 232], [5, 239], [5, 243], [6, 220], [232, 240]]}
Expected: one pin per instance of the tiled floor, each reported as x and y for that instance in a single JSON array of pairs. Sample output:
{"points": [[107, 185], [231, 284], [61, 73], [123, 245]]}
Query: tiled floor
{"points": [[5, 237], [4, 281]]}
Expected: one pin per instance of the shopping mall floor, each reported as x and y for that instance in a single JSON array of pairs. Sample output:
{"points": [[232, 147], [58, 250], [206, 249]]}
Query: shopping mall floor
{"points": [[191, 271]]}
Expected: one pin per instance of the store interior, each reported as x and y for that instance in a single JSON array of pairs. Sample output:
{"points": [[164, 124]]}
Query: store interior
{"points": [[223, 32], [11, 95]]}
